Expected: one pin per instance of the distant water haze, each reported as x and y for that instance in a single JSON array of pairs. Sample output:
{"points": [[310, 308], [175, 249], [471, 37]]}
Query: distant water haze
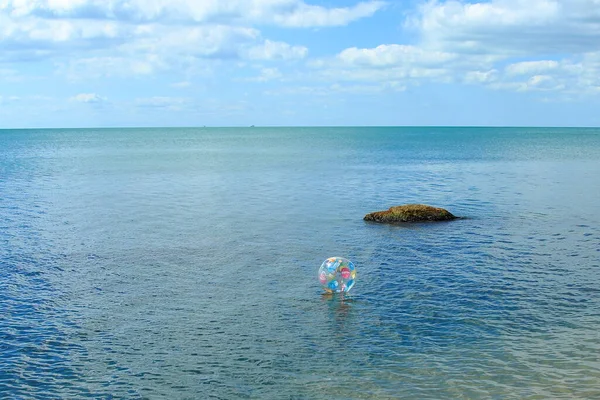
{"points": [[182, 263]]}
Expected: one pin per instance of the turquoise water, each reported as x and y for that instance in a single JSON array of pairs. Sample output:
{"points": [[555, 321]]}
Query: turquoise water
{"points": [[182, 263]]}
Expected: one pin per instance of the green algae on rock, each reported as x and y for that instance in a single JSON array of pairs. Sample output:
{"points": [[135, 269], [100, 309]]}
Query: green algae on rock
{"points": [[410, 213]]}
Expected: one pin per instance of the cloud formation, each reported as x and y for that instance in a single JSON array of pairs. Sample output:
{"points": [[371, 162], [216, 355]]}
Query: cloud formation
{"points": [[140, 37], [394, 55], [510, 27], [484, 43], [289, 13], [181, 55]]}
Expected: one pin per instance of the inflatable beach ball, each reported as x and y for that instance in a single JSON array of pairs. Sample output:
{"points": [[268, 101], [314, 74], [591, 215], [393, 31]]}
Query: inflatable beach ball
{"points": [[337, 275]]}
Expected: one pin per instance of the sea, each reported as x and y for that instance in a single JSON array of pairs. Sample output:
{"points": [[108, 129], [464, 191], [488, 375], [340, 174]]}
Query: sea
{"points": [[181, 263]]}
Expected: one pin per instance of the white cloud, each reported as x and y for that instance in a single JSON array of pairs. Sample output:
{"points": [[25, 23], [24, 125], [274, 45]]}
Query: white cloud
{"points": [[519, 45], [576, 75], [530, 67], [160, 48], [402, 64], [89, 98], [304, 15], [510, 27], [290, 13], [206, 41], [49, 35], [539, 80], [541, 83], [587, 71], [393, 55], [481, 76], [95, 38], [271, 50], [44, 38]]}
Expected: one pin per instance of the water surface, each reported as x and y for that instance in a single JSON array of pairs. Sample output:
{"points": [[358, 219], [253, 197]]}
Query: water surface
{"points": [[181, 263]]}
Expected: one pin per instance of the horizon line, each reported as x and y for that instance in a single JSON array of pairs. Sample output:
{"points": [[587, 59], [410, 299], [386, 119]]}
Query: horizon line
{"points": [[300, 126]]}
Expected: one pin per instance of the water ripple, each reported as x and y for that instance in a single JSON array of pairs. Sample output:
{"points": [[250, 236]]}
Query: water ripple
{"points": [[181, 264]]}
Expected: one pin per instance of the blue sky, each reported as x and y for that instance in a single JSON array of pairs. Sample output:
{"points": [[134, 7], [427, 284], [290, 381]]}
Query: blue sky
{"points": [[78, 63]]}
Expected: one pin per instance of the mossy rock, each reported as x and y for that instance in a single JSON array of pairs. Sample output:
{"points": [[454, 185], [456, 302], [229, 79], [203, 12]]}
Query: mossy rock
{"points": [[410, 213]]}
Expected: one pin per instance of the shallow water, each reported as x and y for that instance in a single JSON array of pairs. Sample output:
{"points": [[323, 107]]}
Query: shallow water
{"points": [[181, 263]]}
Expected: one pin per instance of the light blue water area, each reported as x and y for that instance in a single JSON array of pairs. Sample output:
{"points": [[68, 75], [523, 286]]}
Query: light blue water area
{"points": [[182, 263]]}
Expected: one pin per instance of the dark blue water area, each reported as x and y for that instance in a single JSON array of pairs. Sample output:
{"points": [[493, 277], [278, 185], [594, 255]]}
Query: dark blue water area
{"points": [[181, 263], [39, 339], [33, 343], [34, 339]]}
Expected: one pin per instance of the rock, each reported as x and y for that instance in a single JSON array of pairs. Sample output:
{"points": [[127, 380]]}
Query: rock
{"points": [[410, 213]]}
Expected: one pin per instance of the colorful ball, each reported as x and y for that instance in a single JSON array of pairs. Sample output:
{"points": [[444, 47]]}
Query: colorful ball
{"points": [[337, 274]]}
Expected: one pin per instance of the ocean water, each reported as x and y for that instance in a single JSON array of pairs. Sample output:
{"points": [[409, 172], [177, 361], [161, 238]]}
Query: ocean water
{"points": [[182, 264]]}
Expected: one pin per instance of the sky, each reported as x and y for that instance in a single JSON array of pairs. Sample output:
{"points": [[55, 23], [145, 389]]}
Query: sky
{"points": [[113, 63]]}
